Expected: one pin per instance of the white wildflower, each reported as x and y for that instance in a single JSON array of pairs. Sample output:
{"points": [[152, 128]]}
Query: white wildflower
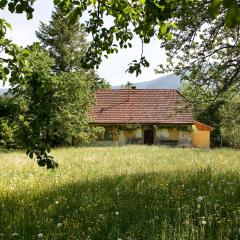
{"points": [[199, 199], [204, 222], [40, 235], [116, 213], [59, 225], [57, 202], [15, 234]]}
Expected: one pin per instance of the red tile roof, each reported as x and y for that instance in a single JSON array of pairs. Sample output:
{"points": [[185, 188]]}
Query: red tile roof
{"points": [[160, 106], [202, 127]]}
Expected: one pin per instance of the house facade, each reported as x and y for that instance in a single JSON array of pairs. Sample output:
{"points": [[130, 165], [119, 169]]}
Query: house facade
{"points": [[147, 116]]}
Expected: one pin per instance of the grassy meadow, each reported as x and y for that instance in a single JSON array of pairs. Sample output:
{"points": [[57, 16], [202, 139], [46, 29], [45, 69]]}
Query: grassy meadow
{"points": [[128, 193]]}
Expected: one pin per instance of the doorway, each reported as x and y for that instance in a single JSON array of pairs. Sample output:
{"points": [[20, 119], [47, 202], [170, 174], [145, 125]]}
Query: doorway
{"points": [[149, 137]]}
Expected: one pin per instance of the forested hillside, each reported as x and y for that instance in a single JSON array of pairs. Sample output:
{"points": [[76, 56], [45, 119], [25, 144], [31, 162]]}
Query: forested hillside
{"points": [[171, 81]]}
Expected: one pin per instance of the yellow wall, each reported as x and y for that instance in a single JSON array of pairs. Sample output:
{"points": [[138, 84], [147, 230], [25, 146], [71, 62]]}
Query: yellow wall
{"points": [[201, 139], [174, 134], [162, 133], [185, 134], [122, 136], [129, 134]]}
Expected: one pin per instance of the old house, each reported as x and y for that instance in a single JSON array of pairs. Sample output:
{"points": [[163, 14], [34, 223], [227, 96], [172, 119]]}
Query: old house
{"points": [[147, 116]]}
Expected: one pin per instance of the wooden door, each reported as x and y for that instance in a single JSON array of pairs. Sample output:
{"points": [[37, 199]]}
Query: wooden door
{"points": [[148, 137]]}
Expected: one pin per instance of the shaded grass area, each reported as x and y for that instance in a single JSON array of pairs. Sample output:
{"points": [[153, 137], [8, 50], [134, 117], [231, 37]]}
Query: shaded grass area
{"points": [[122, 193]]}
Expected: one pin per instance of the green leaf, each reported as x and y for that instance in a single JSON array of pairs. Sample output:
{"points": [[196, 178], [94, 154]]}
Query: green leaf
{"points": [[230, 18], [68, 4], [56, 2], [3, 3], [8, 25], [214, 8], [6, 70], [19, 8], [146, 40], [73, 17], [229, 3], [169, 36], [119, 17], [25, 53], [11, 7], [29, 14], [163, 28]]}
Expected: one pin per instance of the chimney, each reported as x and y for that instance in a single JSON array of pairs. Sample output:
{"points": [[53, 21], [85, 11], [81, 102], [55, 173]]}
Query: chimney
{"points": [[133, 87]]}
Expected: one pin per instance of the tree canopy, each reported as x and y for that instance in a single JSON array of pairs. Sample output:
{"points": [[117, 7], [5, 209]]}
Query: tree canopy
{"points": [[230, 121], [66, 42], [144, 18], [50, 108], [53, 93], [205, 51]]}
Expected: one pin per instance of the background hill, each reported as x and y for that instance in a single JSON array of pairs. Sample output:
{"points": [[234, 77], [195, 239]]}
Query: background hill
{"points": [[169, 81]]}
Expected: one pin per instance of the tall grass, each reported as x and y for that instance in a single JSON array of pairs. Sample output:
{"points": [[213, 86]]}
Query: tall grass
{"points": [[134, 192]]}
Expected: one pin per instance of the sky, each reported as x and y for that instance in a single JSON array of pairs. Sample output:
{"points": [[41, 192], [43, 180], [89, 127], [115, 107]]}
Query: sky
{"points": [[112, 69]]}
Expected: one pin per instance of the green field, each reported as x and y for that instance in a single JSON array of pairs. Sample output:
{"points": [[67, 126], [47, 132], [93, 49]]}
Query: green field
{"points": [[134, 192]]}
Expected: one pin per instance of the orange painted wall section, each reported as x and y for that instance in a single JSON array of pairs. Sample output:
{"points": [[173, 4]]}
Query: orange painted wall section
{"points": [[201, 139]]}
